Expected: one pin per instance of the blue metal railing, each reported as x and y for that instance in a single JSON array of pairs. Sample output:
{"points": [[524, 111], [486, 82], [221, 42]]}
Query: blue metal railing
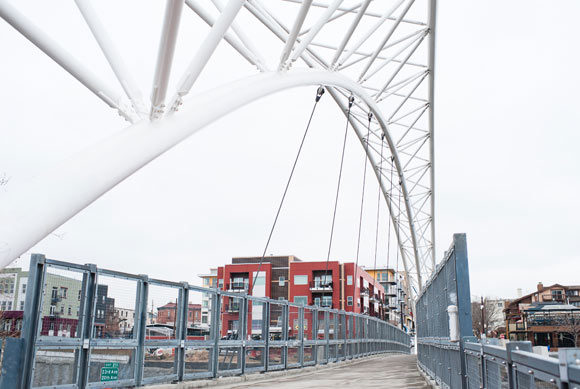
{"points": [[88, 345]]}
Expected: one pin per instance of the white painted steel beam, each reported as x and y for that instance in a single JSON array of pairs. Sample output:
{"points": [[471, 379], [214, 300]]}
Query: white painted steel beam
{"points": [[69, 63], [386, 39], [315, 29], [113, 56], [246, 40], [298, 22], [349, 32], [207, 17], [205, 51], [351, 50], [173, 9], [70, 187]]}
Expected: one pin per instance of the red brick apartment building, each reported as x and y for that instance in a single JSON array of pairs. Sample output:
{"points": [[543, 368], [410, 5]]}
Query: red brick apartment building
{"points": [[333, 285]]}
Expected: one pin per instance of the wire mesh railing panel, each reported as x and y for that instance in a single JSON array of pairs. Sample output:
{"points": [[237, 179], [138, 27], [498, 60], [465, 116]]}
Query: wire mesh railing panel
{"points": [[473, 367], [55, 367], [198, 361], [229, 359], [255, 358], [162, 331], [496, 376], [440, 356], [524, 381], [63, 301], [115, 305], [231, 317], [112, 365]]}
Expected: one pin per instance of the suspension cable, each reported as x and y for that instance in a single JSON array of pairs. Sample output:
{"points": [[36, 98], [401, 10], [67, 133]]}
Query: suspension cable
{"points": [[391, 210], [378, 214], [350, 103], [319, 92], [379, 207], [362, 201], [400, 285]]}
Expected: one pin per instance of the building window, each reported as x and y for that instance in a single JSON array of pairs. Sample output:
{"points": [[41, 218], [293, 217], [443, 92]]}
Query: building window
{"points": [[220, 283], [63, 291], [204, 319], [281, 280], [9, 305], [349, 280], [327, 301], [22, 305], [205, 303], [54, 293], [281, 298], [23, 288], [205, 281], [349, 301], [52, 310], [303, 300], [3, 306], [300, 280], [69, 310], [62, 309]]}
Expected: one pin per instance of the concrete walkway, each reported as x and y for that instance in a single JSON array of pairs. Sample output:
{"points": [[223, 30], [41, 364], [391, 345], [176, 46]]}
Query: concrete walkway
{"points": [[388, 371]]}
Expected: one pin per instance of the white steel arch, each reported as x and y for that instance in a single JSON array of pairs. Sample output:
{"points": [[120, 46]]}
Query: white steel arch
{"points": [[380, 51]]}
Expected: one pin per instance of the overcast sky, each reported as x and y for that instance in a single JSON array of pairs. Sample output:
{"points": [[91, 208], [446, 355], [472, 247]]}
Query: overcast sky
{"points": [[507, 161]]}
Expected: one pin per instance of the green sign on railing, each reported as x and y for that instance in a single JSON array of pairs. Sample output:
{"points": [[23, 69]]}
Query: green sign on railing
{"points": [[110, 371]]}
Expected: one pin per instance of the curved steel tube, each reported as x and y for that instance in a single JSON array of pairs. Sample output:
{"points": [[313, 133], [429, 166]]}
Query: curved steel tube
{"points": [[32, 210]]}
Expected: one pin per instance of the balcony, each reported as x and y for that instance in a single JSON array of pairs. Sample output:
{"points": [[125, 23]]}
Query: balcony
{"points": [[238, 286], [232, 308], [375, 298], [320, 286], [391, 292], [364, 291]]}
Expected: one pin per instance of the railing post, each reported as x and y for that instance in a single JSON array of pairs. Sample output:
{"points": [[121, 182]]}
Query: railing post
{"points": [[267, 335], [513, 346], [244, 316], [314, 332], [285, 324], [182, 317], [327, 336], [566, 358], [301, 332], [216, 325], [141, 327], [87, 311], [31, 316]]}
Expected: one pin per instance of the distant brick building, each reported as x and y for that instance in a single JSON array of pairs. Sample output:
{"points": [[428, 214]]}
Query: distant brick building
{"points": [[333, 285], [167, 314]]}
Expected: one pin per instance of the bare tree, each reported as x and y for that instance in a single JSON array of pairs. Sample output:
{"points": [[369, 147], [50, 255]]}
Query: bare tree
{"points": [[487, 310], [569, 324]]}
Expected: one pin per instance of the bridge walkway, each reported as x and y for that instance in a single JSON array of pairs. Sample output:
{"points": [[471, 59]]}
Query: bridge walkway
{"points": [[391, 371], [385, 371]]}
